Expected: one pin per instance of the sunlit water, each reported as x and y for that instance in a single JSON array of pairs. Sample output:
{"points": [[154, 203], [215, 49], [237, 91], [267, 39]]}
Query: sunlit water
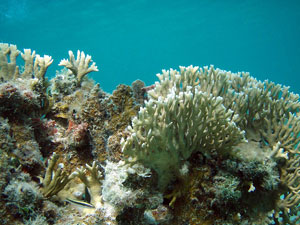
{"points": [[135, 39]]}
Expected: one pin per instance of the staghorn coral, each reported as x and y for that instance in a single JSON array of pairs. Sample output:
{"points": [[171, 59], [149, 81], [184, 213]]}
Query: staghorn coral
{"points": [[177, 121], [290, 178], [23, 93], [55, 182], [9, 70], [79, 67], [35, 65], [92, 182], [225, 117]]}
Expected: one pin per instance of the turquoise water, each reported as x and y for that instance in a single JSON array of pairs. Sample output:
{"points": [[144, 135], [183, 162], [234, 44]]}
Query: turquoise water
{"points": [[135, 39]]}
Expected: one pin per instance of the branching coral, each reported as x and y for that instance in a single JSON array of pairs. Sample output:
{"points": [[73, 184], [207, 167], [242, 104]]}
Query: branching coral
{"points": [[8, 70], [291, 179], [178, 120], [55, 181], [213, 112], [35, 65], [79, 67], [27, 89], [92, 182]]}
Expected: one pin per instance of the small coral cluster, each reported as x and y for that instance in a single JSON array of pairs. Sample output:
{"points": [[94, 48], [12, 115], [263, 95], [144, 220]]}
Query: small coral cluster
{"points": [[200, 146]]}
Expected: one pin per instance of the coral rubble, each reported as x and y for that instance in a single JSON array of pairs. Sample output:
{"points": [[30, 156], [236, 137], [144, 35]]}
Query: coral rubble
{"points": [[200, 146]]}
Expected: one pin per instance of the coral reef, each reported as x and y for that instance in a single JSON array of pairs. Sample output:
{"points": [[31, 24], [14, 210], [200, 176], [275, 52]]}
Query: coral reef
{"points": [[200, 146], [231, 119]]}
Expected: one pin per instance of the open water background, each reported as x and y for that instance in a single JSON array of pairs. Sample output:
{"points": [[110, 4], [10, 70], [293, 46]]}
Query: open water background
{"points": [[136, 39]]}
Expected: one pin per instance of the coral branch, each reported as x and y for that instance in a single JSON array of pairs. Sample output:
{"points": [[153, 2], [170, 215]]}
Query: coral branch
{"points": [[92, 182], [8, 70], [35, 65], [79, 67], [28, 57], [40, 66], [55, 181]]}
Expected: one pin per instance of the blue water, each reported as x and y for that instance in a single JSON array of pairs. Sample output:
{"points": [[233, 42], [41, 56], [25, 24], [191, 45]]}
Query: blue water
{"points": [[135, 39]]}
